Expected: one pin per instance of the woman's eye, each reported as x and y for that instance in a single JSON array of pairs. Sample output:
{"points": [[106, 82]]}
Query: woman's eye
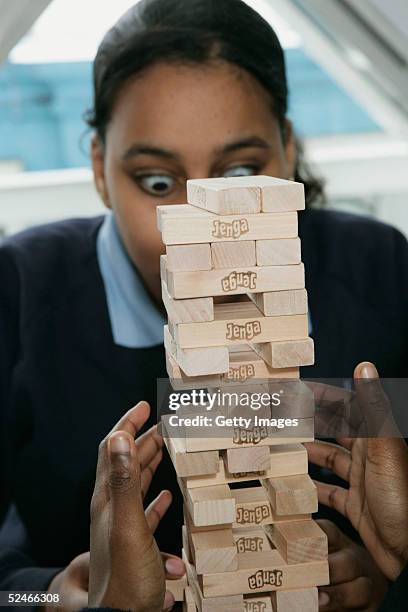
{"points": [[156, 184], [239, 171]]}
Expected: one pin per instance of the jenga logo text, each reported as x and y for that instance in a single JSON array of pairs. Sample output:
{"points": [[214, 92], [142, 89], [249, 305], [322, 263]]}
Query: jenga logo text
{"points": [[249, 436], [253, 516], [262, 578], [254, 606], [247, 331], [233, 229], [249, 545], [245, 474], [246, 280], [241, 373]]}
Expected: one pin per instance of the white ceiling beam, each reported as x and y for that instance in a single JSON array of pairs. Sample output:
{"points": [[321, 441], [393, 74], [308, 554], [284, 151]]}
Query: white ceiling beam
{"points": [[17, 17], [326, 52]]}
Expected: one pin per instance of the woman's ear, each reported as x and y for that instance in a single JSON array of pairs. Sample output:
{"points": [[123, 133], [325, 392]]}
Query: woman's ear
{"points": [[290, 149], [97, 156]]}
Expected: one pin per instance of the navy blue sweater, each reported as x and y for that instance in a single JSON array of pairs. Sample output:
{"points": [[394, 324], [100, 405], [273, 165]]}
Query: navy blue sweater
{"points": [[64, 383]]}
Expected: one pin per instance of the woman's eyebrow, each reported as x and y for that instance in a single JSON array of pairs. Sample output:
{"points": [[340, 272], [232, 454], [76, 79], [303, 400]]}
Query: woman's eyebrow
{"points": [[145, 149], [251, 141]]}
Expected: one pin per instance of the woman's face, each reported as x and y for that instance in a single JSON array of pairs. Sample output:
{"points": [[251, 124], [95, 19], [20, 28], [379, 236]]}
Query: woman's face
{"points": [[176, 123]]}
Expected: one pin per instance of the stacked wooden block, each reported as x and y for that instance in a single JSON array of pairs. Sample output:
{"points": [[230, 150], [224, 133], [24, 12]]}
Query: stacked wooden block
{"points": [[255, 548]]}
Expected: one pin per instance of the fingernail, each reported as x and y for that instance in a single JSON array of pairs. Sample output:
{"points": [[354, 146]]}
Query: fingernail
{"points": [[324, 599], [368, 370], [119, 444], [168, 601], [175, 567]]}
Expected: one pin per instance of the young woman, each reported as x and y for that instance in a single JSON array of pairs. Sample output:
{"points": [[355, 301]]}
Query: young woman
{"points": [[183, 89]]}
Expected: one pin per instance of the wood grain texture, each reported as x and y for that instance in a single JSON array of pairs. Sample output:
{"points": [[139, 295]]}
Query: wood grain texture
{"points": [[189, 225], [224, 196], [267, 573], [253, 509], [235, 281], [288, 495], [298, 541], [191, 464], [212, 505], [255, 459], [286, 353], [188, 257], [276, 303], [281, 252], [203, 361], [238, 323], [299, 600], [214, 551], [180, 381], [192, 310], [279, 194], [233, 254], [257, 603], [189, 601]]}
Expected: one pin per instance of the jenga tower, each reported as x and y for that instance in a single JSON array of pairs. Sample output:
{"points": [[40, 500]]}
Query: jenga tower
{"points": [[256, 548]]}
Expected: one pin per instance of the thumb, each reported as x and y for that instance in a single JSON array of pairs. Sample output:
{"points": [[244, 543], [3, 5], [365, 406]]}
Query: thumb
{"points": [[124, 482], [373, 402]]}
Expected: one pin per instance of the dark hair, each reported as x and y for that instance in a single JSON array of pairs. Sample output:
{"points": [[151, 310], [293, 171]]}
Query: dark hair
{"points": [[193, 31]]}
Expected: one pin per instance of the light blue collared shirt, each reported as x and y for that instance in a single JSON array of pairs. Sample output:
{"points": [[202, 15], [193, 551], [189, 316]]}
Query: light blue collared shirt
{"points": [[135, 320]]}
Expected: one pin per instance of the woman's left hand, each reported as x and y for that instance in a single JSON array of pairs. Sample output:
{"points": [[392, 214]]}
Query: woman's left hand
{"points": [[356, 583]]}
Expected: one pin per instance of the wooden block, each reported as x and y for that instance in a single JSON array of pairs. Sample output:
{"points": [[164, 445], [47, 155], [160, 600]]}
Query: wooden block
{"points": [[276, 303], [235, 281], [233, 254], [247, 364], [286, 354], [298, 541], [185, 539], [283, 252], [214, 551], [255, 459], [210, 505], [224, 196], [254, 509], [188, 257], [234, 603], [237, 323], [268, 573], [257, 603], [199, 361], [299, 600], [189, 601], [288, 495], [277, 194], [287, 459], [177, 587], [250, 540], [193, 310], [185, 227], [176, 210], [179, 380], [191, 464]]}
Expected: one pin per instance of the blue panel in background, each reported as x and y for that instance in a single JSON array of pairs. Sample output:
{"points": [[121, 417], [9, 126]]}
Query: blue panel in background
{"points": [[42, 105]]}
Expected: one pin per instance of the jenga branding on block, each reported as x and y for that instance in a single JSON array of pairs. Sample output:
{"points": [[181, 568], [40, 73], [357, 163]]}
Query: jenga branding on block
{"points": [[241, 373], [264, 577], [246, 331], [247, 544], [232, 229], [253, 516], [251, 436], [246, 474], [246, 280], [254, 606]]}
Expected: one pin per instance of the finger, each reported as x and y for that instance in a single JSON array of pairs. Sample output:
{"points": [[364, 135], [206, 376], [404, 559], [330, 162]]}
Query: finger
{"points": [[374, 403], [157, 509], [343, 566], [332, 496], [355, 595], [346, 442], [173, 566], [133, 420], [337, 540], [148, 473], [331, 456], [169, 601], [148, 445]]}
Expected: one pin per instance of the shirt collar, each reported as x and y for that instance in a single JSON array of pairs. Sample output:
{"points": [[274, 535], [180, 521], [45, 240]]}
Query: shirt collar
{"points": [[135, 320]]}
